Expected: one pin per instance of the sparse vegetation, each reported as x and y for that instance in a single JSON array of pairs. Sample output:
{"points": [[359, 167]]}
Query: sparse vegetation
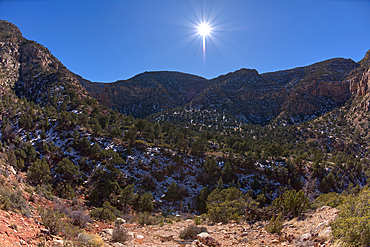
{"points": [[144, 218], [52, 220], [13, 200]]}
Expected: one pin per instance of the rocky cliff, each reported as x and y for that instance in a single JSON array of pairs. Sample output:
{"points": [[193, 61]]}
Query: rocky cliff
{"points": [[31, 70], [357, 79]]}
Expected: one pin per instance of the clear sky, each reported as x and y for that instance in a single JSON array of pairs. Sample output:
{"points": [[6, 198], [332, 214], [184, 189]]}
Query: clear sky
{"points": [[105, 41]]}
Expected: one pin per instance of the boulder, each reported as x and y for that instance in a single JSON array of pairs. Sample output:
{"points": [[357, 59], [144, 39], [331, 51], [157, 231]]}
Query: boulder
{"points": [[139, 239], [203, 235]]}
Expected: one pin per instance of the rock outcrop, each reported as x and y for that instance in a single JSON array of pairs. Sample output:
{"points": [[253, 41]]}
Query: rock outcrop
{"points": [[359, 79]]}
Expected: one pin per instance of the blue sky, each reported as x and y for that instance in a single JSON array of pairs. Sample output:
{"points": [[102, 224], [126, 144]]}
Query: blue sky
{"points": [[105, 41]]}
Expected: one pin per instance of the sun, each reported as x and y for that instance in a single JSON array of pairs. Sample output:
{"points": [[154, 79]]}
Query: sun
{"points": [[204, 29]]}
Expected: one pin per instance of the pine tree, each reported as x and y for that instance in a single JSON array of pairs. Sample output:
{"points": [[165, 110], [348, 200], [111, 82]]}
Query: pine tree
{"points": [[146, 202], [39, 172], [220, 184]]}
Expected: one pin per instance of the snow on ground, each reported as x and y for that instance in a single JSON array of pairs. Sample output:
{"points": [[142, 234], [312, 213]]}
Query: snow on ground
{"points": [[162, 167]]}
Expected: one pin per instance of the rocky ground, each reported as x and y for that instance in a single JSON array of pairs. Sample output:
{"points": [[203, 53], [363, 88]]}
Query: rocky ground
{"points": [[311, 229]]}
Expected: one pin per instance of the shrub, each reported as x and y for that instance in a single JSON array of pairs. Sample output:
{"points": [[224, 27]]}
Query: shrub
{"points": [[127, 195], [69, 231], [352, 224], [148, 182], [290, 204], [331, 199], [143, 218], [228, 204], [201, 202], [80, 218], [14, 200], [107, 212], [120, 234], [89, 240], [175, 192], [191, 232], [51, 220], [275, 225], [45, 191]]}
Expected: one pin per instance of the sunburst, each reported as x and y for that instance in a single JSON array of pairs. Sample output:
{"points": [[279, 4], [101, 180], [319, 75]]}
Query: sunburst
{"points": [[204, 29]]}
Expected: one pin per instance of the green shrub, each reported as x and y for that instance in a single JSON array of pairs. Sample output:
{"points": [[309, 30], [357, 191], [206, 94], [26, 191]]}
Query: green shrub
{"points": [[45, 191], [107, 212], [228, 204], [175, 192], [201, 202], [191, 232], [352, 224], [39, 172], [69, 231], [127, 195], [275, 225], [331, 199], [290, 204]]}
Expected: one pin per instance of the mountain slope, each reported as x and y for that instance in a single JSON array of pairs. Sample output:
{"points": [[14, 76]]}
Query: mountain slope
{"points": [[32, 71], [243, 93], [300, 93], [148, 92]]}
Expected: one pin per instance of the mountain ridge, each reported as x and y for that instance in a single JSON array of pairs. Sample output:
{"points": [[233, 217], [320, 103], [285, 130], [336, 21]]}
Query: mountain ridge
{"points": [[299, 91]]}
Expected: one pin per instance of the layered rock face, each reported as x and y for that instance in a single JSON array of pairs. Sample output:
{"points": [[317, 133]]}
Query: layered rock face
{"points": [[317, 88], [358, 80]]}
